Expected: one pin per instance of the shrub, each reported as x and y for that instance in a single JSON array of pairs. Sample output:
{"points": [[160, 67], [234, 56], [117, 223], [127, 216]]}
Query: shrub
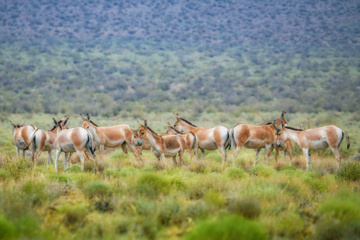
{"points": [[235, 173], [214, 197], [262, 170], [248, 207], [4, 174], [35, 191], [7, 228], [228, 227], [290, 225], [152, 184], [100, 194], [112, 173], [349, 171], [170, 213], [197, 210], [339, 216], [74, 168], [74, 215]]}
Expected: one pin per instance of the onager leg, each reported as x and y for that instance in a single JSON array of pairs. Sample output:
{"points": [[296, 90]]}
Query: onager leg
{"points": [[174, 160], [58, 151], [337, 155], [267, 152], [307, 158], [257, 155], [66, 157], [221, 150]]}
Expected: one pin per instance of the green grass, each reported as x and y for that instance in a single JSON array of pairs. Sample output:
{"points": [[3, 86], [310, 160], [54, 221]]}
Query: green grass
{"points": [[198, 200]]}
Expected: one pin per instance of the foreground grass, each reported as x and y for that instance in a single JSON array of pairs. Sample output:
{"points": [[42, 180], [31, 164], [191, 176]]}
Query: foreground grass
{"points": [[197, 201]]}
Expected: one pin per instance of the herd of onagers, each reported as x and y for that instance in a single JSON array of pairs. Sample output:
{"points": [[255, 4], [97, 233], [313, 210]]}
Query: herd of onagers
{"points": [[181, 136]]}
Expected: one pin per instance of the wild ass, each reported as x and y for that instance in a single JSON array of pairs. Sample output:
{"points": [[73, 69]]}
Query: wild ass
{"points": [[112, 136], [256, 137], [76, 140], [44, 140], [286, 147], [207, 138], [190, 139], [163, 145], [316, 138], [21, 138]]}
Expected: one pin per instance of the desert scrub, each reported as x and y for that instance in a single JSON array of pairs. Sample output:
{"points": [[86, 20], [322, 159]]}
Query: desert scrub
{"points": [[227, 227], [235, 173], [349, 171], [248, 207], [153, 184], [262, 170], [339, 216], [75, 168], [99, 193]]}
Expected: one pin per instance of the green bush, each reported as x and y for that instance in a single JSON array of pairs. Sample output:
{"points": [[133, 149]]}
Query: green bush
{"points": [[170, 213], [112, 172], [74, 168], [152, 184], [74, 215], [349, 171], [339, 215], [227, 227], [4, 174], [247, 207], [262, 170], [35, 191], [97, 190], [197, 210], [235, 173], [7, 229]]}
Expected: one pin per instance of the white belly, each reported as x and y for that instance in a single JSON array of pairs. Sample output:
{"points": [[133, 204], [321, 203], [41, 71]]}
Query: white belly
{"points": [[67, 147], [255, 144], [208, 145], [320, 144]]}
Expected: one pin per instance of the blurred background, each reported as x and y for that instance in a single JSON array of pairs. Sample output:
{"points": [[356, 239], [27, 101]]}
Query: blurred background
{"points": [[131, 58]]}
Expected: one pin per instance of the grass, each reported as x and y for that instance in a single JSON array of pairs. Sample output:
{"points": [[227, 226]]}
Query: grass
{"points": [[199, 200]]}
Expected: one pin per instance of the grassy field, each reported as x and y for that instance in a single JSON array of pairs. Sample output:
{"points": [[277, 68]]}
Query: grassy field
{"points": [[199, 200]]}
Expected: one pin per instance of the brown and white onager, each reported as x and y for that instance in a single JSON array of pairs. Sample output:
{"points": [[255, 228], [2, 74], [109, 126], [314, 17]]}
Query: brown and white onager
{"points": [[207, 138], [315, 139], [190, 139], [22, 135], [163, 145], [256, 136], [286, 147], [112, 136], [145, 145], [74, 140], [44, 140]]}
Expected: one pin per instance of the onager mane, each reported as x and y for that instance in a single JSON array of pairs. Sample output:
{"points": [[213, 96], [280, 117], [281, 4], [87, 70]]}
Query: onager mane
{"points": [[295, 129], [188, 122]]}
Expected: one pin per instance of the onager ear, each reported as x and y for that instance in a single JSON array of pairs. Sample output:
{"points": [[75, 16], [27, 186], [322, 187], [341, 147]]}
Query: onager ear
{"points": [[65, 121], [145, 123], [21, 125], [140, 124], [283, 114], [169, 125], [88, 117], [14, 126], [82, 117], [59, 124], [55, 122], [177, 116]]}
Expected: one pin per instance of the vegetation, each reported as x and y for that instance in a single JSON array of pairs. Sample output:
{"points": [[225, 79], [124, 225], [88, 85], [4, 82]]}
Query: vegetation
{"points": [[199, 200]]}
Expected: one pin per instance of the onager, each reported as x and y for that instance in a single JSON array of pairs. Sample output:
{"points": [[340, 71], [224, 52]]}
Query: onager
{"points": [[21, 138], [74, 140], [256, 137], [316, 138], [207, 138], [44, 140], [163, 145], [286, 147], [190, 139], [112, 136]]}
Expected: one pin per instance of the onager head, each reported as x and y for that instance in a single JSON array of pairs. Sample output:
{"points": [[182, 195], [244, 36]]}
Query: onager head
{"points": [[15, 126], [136, 140], [280, 123], [87, 122]]}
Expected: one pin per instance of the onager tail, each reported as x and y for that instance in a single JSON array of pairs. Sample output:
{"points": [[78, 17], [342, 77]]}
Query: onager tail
{"points": [[90, 143], [195, 140], [347, 139], [228, 142], [32, 136], [233, 137]]}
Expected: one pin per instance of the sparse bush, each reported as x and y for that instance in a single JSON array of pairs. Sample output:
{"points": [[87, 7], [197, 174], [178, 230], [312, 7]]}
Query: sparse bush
{"points": [[349, 171], [247, 207], [262, 170], [152, 184], [74, 168], [4, 174], [197, 210], [74, 215], [228, 227], [112, 173], [214, 197], [99, 193], [35, 191], [170, 213], [235, 173]]}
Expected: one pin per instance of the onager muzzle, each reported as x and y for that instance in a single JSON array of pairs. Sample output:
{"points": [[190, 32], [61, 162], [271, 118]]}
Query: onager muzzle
{"points": [[139, 142]]}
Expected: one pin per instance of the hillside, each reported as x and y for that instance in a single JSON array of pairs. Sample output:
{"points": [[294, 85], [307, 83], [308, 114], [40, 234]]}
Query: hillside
{"points": [[109, 58]]}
